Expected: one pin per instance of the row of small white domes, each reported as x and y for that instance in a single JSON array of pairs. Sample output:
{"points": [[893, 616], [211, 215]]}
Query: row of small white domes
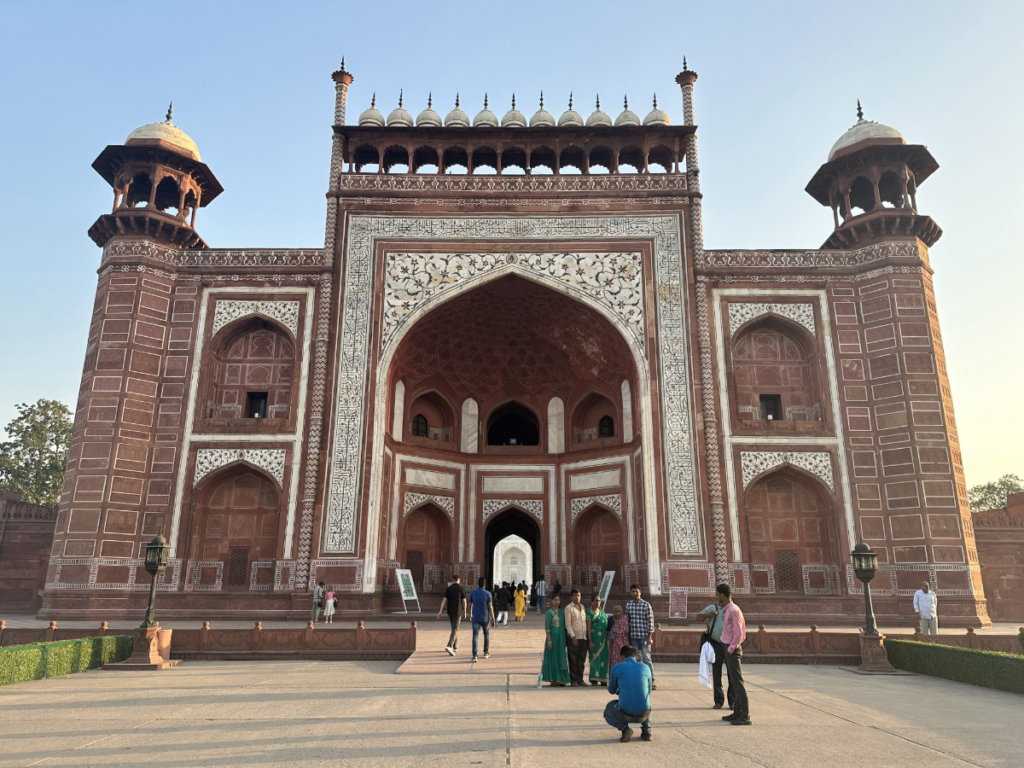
{"points": [[428, 118]]}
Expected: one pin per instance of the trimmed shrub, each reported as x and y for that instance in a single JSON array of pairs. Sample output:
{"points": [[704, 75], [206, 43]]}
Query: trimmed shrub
{"points": [[19, 663], [989, 669]]}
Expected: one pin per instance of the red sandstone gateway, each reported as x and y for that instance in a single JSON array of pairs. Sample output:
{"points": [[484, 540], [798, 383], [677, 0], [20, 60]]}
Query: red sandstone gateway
{"points": [[543, 350]]}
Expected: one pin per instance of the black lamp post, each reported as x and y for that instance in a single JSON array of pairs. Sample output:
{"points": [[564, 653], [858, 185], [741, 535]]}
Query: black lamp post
{"points": [[156, 562], [865, 564]]}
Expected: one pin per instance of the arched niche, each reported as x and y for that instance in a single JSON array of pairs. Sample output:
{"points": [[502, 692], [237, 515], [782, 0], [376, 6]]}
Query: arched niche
{"points": [[512, 523], [598, 545], [249, 376], [236, 521], [793, 531], [430, 417], [775, 377], [596, 422], [426, 538]]}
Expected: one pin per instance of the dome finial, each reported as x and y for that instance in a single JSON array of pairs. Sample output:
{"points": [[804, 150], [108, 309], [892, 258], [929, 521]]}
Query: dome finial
{"points": [[342, 63], [860, 112], [655, 101], [625, 102], [599, 102], [685, 68], [570, 99], [542, 99], [456, 99], [401, 95], [485, 101], [170, 112], [373, 101], [430, 100], [513, 101]]}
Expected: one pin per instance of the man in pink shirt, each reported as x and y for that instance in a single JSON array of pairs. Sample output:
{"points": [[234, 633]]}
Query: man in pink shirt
{"points": [[734, 632]]}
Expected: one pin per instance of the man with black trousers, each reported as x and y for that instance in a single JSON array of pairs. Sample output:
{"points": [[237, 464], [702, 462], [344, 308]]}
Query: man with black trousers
{"points": [[715, 621], [501, 601], [734, 632], [455, 601]]}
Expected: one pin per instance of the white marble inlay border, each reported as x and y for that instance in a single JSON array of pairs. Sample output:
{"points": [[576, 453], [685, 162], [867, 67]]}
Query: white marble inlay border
{"points": [[754, 463], [534, 506], [285, 312], [741, 313]]}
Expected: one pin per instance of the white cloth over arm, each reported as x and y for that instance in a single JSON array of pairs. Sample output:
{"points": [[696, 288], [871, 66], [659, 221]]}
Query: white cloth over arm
{"points": [[707, 658]]}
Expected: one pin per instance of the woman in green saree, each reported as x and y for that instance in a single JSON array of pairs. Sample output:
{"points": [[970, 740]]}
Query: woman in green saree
{"points": [[555, 668], [597, 628]]}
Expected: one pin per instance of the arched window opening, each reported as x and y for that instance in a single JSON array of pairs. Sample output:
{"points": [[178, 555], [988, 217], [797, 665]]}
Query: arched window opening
{"points": [[593, 419], [140, 190], [423, 158], [862, 195], [365, 155], [776, 376], [396, 157], [456, 160], [190, 203], [485, 157], [168, 195], [573, 157], [513, 424], [602, 160], [251, 374], [659, 159], [543, 158], [513, 157], [632, 157], [434, 419], [891, 191]]}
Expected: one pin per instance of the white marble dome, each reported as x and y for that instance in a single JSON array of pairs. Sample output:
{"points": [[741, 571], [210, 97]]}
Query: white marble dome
{"points": [[513, 118], [862, 131], [428, 118], [570, 118], [399, 118], [656, 116], [599, 119], [166, 132], [456, 118], [372, 117], [485, 118], [626, 117], [542, 118]]}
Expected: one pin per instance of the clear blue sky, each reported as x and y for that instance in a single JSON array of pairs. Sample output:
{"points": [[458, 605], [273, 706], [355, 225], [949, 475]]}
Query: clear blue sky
{"points": [[778, 84]]}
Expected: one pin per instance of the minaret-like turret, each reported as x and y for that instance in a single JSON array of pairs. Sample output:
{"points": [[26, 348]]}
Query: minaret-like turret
{"points": [[159, 182]]}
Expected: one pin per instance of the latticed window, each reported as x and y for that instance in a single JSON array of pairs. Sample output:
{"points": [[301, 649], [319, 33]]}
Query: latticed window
{"points": [[606, 427], [419, 425], [787, 571], [238, 567]]}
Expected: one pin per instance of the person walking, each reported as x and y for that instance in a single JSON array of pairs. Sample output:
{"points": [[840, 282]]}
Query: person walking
{"points": [[554, 668], [329, 605], [502, 598], [576, 637], [640, 616], [618, 636], [482, 607], [542, 595], [597, 631], [926, 605], [633, 683], [455, 601], [318, 601], [714, 620], [734, 632], [521, 603]]}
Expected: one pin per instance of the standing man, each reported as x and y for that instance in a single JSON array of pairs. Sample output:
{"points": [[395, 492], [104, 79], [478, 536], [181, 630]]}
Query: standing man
{"points": [[633, 682], [640, 616], [455, 601], [502, 597], [483, 616], [542, 593], [318, 601], [734, 632], [576, 642], [713, 616], [926, 604]]}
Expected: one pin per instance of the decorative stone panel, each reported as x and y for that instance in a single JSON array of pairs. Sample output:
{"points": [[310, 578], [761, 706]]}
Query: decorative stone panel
{"points": [[413, 500], [754, 463], [211, 459], [285, 312], [740, 313], [611, 501], [534, 506]]}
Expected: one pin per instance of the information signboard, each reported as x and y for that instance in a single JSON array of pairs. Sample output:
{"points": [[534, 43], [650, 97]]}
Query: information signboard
{"points": [[677, 602], [407, 588], [606, 588]]}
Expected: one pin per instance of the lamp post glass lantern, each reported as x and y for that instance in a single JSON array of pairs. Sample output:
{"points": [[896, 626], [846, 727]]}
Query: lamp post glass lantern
{"points": [[156, 563], [865, 565]]}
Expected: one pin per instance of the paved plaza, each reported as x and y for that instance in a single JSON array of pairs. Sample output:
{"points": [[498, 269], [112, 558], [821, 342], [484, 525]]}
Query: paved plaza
{"points": [[294, 713]]}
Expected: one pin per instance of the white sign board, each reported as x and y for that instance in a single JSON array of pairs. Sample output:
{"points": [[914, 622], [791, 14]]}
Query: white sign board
{"points": [[407, 588], [606, 588], [677, 602]]}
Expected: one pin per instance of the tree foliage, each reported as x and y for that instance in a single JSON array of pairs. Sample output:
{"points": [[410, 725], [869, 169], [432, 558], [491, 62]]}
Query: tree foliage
{"points": [[993, 495], [32, 459]]}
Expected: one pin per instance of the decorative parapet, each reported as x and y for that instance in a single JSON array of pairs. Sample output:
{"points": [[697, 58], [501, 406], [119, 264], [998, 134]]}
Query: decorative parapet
{"points": [[814, 259], [255, 257]]}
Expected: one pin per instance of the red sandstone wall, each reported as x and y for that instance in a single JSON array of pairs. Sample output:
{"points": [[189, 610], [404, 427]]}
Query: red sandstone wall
{"points": [[26, 533], [1000, 540]]}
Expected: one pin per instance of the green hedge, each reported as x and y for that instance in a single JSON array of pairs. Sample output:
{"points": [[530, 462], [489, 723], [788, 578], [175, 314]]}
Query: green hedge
{"points": [[19, 663], [989, 669]]}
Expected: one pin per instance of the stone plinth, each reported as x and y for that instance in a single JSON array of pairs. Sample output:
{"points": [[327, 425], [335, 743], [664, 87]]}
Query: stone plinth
{"points": [[152, 651]]}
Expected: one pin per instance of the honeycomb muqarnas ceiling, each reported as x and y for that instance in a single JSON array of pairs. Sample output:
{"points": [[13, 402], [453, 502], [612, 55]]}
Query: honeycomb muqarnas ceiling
{"points": [[513, 336]]}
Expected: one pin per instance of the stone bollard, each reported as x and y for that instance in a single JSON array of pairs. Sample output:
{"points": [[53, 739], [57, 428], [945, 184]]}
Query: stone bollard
{"points": [[204, 636], [815, 639], [257, 636], [360, 636], [307, 636], [874, 660], [762, 639]]}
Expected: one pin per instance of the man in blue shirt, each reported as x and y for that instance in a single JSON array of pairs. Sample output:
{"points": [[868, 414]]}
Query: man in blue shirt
{"points": [[632, 681], [482, 610]]}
